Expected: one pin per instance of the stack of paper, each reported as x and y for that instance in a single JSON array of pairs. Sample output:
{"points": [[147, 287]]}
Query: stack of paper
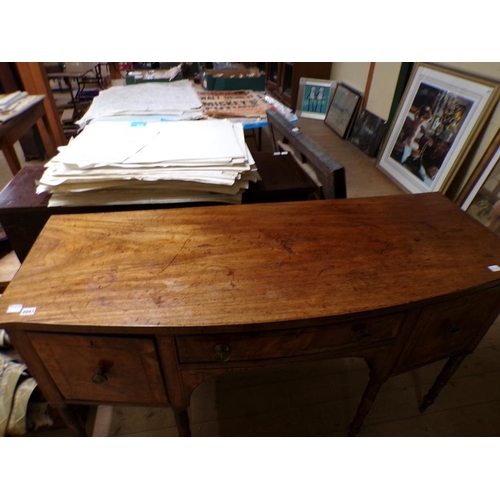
{"points": [[133, 162], [174, 100], [11, 105]]}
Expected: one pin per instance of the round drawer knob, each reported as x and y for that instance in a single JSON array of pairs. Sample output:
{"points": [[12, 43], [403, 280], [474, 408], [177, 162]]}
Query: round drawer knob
{"points": [[99, 378], [363, 334], [222, 352], [452, 328]]}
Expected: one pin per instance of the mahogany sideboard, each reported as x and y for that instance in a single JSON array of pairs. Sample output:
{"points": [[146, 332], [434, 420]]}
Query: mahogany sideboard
{"points": [[141, 307]]}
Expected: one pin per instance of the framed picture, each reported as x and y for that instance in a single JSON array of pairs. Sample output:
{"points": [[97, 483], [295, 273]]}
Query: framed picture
{"points": [[483, 201], [440, 115], [314, 97], [342, 110], [368, 132]]}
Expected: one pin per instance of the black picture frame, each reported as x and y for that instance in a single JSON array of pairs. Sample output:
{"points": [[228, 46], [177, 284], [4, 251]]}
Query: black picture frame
{"points": [[368, 132], [342, 110]]}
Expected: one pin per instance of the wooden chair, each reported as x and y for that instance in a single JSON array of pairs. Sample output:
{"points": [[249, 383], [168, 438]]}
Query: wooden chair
{"points": [[328, 175]]}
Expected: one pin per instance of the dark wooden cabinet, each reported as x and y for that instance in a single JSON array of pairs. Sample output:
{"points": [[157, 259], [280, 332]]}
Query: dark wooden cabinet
{"points": [[282, 78]]}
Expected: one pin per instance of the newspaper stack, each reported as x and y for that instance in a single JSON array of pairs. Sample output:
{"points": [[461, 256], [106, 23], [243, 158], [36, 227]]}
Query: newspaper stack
{"points": [[173, 100], [134, 162]]}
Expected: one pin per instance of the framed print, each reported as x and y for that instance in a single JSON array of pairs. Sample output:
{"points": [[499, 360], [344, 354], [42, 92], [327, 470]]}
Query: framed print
{"points": [[483, 202], [440, 115], [368, 132], [342, 109], [314, 97]]}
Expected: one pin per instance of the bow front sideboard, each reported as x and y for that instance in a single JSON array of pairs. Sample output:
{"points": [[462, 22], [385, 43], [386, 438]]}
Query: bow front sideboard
{"points": [[139, 308]]}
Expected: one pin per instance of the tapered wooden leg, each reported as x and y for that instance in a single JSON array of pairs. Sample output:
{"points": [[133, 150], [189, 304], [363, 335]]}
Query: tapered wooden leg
{"points": [[12, 159], [71, 420], [182, 422], [446, 373], [364, 407]]}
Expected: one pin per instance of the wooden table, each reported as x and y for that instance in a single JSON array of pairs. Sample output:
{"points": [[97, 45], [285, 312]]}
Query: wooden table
{"points": [[81, 78], [142, 307], [12, 130], [23, 213]]}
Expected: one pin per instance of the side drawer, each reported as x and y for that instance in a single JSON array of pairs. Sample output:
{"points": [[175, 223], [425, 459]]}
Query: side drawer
{"points": [[101, 368], [448, 327], [285, 343]]}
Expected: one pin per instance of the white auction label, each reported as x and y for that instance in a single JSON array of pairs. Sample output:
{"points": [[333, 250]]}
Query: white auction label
{"points": [[15, 308], [28, 311], [494, 268]]}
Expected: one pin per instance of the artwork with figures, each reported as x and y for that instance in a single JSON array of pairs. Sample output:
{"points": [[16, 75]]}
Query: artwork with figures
{"points": [[483, 203], [439, 118], [314, 97], [429, 131]]}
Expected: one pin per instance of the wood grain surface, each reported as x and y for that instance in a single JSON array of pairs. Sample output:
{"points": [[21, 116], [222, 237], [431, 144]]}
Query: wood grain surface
{"points": [[191, 269]]}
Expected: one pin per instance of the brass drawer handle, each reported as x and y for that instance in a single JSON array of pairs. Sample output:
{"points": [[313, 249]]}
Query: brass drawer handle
{"points": [[363, 334], [452, 328], [100, 376], [222, 352]]}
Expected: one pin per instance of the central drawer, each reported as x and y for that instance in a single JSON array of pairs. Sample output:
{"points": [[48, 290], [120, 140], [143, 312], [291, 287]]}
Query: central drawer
{"points": [[286, 343], [102, 369]]}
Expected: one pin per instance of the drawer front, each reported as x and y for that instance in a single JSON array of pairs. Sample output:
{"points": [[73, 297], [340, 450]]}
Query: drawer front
{"points": [[285, 343], [448, 327], [99, 368]]}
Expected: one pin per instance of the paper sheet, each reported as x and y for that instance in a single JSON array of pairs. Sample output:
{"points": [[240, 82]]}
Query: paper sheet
{"points": [[173, 98], [114, 162]]}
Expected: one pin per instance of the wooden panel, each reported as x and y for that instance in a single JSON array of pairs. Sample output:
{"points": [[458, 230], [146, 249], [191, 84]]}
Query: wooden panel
{"points": [[447, 328], [296, 342], [129, 365]]}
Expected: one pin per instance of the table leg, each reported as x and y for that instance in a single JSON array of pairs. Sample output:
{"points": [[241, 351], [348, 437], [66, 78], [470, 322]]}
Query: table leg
{"points": [[182, 422], [446, 373], [11, 157], [103, 418], [364, 407], [71, 420]]}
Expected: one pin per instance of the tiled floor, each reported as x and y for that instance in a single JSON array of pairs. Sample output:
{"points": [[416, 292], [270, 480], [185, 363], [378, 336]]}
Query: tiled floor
{"points": [[320, 398]]}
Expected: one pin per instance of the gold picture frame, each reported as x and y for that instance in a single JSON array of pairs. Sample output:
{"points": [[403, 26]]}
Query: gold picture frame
{"points": [[440, 115], [481, 197]]}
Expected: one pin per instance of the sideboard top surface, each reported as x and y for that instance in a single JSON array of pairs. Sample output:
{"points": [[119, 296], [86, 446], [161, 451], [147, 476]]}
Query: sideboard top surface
{"points": [[220, 266]]}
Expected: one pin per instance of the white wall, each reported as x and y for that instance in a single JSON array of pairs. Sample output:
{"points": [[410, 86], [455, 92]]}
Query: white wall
{"points": [[381, 95], [353, 74], [383, 84]]}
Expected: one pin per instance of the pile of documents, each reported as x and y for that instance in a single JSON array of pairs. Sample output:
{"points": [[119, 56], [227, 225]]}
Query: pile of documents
{"points": [[136, 162], [11, 105], [173, 101]]}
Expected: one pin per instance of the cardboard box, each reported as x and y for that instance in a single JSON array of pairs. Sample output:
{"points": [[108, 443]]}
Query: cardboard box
{"points": [[230, 79]]}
